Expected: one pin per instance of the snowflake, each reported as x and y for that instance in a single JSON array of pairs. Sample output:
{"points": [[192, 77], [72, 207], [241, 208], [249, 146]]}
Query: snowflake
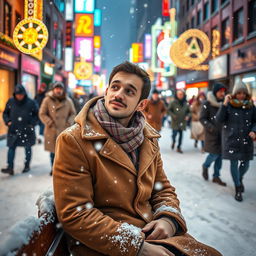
{"points": [[158, 186]]}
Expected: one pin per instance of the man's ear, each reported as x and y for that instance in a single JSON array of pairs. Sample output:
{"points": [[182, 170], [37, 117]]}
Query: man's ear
{"points": [[142, 104], [106, 91]]}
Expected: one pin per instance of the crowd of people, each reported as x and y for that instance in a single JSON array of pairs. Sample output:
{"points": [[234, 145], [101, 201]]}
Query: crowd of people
{"points": [[225, 125]]}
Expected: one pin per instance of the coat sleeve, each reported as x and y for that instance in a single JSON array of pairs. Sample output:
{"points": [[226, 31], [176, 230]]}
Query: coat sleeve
{"points": [[170, 111], [164, 199], [254, 119], [205, 118], [34, 113], [6, 113], [43, 113], [73, 191], [222, 114]]}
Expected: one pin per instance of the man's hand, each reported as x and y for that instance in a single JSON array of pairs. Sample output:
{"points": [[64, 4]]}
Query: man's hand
{"points": [[161, 229], [9, 123], [155, 250], [227, 99], [252, 135]]}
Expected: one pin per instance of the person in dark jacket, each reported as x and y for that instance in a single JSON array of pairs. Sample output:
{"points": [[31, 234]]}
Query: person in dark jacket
{"points": [[212, 132], [179, 112], [39, 98], [238, 114], [21, 116]]}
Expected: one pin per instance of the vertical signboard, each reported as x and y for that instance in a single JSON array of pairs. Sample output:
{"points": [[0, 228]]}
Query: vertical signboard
{"points": [[137, 49], [84, 6], [84, 25]]}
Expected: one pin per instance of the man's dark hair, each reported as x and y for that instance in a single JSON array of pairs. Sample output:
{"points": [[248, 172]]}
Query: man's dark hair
{"points": [[131, 68]]}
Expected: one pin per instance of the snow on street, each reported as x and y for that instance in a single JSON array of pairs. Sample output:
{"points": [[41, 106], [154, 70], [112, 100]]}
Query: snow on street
{"points": [[213, 216]]}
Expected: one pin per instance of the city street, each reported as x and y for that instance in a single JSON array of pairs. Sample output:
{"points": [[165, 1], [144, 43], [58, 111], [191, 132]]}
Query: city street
{"points": [[213, 216]]}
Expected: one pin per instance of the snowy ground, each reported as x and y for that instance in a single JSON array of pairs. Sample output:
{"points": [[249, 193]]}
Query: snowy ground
{"points": [[213, 216]]}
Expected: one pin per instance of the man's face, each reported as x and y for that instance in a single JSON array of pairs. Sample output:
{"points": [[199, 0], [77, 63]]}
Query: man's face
{"points": [[180, 95], [58, 91], [19, 96], [155, 96], [123, 95], [240, 96], [220, 94]]}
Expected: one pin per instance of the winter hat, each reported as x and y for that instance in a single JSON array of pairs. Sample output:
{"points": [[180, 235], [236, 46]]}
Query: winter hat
{"points": [[155, 91], [57, 84], [240, 87], [217, 87], [19, 89]]}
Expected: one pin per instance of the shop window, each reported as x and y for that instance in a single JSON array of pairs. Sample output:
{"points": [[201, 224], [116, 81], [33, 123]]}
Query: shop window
{"points": [[206, 10], [7, 18], [214, 5], [192, 2], [187, 5], [238, 23], [252, 16], [198, 17], [225, 32], [193, 22]]}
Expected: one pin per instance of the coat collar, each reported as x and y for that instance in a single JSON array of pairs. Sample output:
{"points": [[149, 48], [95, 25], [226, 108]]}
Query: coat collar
{"points": [[92, 130]]}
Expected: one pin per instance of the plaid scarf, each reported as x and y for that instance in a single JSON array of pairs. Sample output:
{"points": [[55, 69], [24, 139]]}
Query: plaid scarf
{"points": [[129, 138]]}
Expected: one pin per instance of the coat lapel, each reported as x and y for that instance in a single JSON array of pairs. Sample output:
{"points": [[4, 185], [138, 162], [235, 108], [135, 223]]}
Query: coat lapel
{"points": [[115, 153], [148, 153]]}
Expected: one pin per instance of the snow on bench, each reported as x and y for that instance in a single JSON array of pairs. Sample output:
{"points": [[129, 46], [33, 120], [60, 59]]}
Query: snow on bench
{"points": [[36, 236]]}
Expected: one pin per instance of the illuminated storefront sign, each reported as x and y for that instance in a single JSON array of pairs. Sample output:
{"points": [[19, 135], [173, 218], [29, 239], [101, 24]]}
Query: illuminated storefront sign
{"points": [[31, 35], [9, 58], [97, 60], [97, 41], [84, 25], [84, 48], [163, 50], [148, 46], [215, 43], [84, 6], [191, 56], [69, 10], [97, 17], [69, 59], [218, 67], [48, 69], [69, 34], [165, 7], [83, 70], [180, 85], [137, 49]]}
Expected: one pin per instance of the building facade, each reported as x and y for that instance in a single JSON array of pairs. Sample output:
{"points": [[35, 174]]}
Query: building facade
{"points": [[231, 28]]}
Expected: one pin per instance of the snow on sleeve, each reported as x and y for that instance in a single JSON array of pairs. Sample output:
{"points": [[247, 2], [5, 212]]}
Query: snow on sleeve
{"points": [[45, 203], [167, 208], [128, 235]]}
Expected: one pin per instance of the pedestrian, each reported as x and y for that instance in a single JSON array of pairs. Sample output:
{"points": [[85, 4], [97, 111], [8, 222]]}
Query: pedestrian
{"points": [[21, 116], [179, 112], [238, 115], [57, 112], [197, 129], [77, 99], [212, 143], [39, 99], [155, 111], [111, 193]]}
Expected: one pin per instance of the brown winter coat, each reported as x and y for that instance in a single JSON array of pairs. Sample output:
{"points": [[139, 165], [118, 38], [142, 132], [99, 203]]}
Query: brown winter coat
{"points": [[56, 116], [100, 197], [197, 129], [154, 113]]}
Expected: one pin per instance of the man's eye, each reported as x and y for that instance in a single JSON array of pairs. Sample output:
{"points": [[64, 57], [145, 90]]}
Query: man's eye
{"points": [[130, 92]]}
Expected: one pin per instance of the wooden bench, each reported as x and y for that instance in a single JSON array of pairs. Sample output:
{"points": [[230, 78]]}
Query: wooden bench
{"points": [[42, 236]]}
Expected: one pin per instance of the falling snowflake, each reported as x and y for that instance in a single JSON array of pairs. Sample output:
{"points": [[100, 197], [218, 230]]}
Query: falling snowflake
{"points": [[88, 206], [98, 146], [20, 118], [82, 169], [158, 186], [231, 151], [145, 5], [79, 208]]}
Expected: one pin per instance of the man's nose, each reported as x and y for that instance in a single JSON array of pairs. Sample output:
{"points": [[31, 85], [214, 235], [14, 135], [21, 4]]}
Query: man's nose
{"points": [[120, 94]]}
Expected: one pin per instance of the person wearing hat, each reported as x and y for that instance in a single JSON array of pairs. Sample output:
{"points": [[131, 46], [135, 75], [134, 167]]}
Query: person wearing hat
{"points": [[180, 113], [57, 112], [155, 111], [21, 116], [39, 99], [212, 129], [238, 114]]}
